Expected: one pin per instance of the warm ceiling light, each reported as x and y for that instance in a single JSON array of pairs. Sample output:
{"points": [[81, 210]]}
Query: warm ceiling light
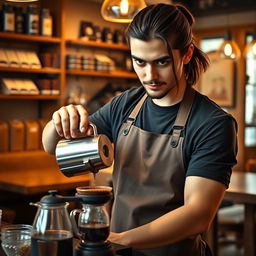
{"points": [[251, 47], [121, 11], [229, 49]]}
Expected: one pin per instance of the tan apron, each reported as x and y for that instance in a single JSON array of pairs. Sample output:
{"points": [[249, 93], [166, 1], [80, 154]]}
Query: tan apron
{"points": [[149, 177]]}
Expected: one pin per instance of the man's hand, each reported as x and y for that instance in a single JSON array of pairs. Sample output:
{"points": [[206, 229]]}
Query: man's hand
{"points": [[71, 121], [68, 122], [116, 238]]}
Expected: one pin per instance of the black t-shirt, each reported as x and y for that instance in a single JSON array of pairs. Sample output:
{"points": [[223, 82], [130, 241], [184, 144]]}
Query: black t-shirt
{"points": [[210, 145]]}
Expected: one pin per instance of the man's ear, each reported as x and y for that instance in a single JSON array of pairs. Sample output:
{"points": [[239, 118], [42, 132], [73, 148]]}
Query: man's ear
{"points": [[187, 56]]}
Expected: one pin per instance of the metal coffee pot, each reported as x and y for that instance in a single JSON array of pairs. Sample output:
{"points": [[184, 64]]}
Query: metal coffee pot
{"points": [[84, 155]]}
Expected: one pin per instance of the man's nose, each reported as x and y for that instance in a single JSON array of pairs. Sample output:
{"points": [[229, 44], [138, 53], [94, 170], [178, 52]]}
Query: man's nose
{"points": [[151, 73]]}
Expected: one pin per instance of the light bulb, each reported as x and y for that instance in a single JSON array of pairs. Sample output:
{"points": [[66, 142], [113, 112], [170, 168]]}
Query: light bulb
{"points": [[124, 7], [121, 11], [228, 49]]}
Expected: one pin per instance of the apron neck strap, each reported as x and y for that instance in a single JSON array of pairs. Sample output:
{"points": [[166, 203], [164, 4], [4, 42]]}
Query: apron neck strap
{"points": [[185, 107], [182, 115], [181, 118], [137, 108]]}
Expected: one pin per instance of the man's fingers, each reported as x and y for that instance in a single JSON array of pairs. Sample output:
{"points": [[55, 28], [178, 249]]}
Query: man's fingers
{"points": [[65, 122], [56, 119], [70, 121], [83, 118], [74, 119]]}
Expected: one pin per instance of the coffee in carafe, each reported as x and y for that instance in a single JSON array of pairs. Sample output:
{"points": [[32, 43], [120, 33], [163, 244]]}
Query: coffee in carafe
{"points": [[52, 243], [94, 232]]}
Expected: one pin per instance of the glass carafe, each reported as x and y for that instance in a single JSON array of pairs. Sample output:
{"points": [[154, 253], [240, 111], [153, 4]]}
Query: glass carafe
{"points": [[93, 222], [52, 230]]}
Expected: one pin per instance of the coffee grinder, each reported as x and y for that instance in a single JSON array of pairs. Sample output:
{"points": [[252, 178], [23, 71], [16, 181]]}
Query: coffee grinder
{"points": [[93, 222]]}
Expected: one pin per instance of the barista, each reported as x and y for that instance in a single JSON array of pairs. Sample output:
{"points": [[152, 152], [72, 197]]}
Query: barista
{"points": [[174, 147]]}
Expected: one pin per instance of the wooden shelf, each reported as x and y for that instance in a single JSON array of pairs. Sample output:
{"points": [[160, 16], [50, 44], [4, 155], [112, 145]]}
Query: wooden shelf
{"points": [[31, 70], [31, 38], [95, 44], [29, 97], [114, 74]]}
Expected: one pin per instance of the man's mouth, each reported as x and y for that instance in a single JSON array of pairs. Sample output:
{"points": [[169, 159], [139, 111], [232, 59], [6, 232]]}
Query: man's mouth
{"points": [[154, 85]]}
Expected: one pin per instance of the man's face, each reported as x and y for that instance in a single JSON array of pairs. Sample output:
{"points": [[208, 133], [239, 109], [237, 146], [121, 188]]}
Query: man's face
{"points": [[153, 66]]}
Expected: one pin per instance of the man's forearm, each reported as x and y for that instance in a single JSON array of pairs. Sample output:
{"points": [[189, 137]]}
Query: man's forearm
{"points": [[193, 218], [169, 228]]}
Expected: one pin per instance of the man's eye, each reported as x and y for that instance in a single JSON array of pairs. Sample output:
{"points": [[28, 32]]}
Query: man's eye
{"points": [[139, 62], [162, 62]]}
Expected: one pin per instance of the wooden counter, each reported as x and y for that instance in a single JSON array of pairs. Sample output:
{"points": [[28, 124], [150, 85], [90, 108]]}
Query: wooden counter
{"points": [[35, 172]]}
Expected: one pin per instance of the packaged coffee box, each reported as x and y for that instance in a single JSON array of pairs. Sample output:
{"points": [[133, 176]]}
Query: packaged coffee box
{"points": [[4, 136], [42, 123], [31, 135], [17, 135]]}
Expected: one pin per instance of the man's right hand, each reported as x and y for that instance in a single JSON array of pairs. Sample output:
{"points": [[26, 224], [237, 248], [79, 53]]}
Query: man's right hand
{"points": [[71, 121], [68, 122]]}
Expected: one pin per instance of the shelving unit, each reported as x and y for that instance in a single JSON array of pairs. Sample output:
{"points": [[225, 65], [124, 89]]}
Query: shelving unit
{"points": [[28, 97], [93, 44], [42, 106], [29, 38], [113, 74], [31, 70]]}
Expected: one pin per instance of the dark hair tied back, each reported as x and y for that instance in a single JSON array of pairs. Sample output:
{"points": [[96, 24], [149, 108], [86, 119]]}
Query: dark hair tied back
{"points": [[173, 25]]}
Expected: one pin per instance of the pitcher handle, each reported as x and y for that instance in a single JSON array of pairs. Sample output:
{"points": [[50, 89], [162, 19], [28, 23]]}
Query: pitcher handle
{"points": [[95, 132], [73, 222]]}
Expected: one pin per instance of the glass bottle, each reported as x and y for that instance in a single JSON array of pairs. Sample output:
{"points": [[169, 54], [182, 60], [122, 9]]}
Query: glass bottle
{"points": [[19, 20], [8, 18], [46, 22], [32, 21]]}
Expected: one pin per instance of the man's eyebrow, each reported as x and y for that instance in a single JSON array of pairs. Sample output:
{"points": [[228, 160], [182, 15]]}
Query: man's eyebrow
{"points": [[167, 57]]}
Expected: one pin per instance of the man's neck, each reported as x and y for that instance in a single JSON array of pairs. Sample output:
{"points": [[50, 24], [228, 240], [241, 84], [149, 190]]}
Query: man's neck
{"points": [[174, 96]]}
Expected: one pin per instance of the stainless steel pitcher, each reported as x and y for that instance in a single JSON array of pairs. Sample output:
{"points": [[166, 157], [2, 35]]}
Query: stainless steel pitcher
{"points": [[84, 155]]}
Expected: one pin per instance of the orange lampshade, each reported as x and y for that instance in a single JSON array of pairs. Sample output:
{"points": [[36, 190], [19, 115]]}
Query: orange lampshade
{"points": [[121, 11]]}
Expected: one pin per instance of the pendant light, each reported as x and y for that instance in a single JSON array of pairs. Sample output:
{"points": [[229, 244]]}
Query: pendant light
{"points": [[121, 11], [251, 47], [229, 49]]}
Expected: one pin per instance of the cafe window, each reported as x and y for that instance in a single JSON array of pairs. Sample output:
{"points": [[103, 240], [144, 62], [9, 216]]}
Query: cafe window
{"points": [[210, 44], [250, 98]]}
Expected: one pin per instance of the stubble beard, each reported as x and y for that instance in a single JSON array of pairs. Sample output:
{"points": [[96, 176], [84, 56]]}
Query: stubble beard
{"points": [[160, 96]]}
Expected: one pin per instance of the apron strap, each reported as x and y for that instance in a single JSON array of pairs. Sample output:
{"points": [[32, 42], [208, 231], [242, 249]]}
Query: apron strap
{"points": [[181, 118], [182, 115], [133, 114]]}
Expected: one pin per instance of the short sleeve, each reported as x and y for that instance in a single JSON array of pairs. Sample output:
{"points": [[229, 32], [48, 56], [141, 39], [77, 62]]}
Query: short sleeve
{"points": [[214, 149]]}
